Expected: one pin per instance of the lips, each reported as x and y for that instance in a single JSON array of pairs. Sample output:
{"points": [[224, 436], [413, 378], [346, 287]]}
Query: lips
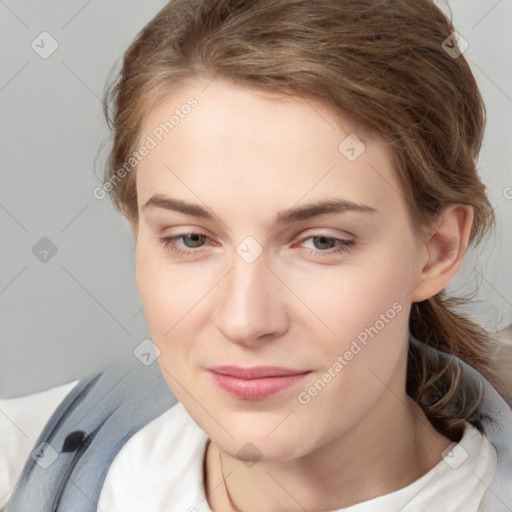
{"points": [[255, 383]]}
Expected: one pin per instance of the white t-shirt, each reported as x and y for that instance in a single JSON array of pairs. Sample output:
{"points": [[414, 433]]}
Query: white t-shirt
{"points": [[161, 464]]}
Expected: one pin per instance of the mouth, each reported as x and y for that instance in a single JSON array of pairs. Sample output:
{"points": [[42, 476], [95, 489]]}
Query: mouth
{"points": [[255, 383]]}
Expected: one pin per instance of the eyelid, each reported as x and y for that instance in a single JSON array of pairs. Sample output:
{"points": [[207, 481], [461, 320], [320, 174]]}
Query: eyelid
{"points": [[328, 233]]}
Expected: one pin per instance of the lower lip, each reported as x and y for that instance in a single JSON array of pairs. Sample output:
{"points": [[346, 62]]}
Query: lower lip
{"points": [[255, 389]]}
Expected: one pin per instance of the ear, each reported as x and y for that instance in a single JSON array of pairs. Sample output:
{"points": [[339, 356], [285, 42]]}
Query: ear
{"points": [[443, 254]]}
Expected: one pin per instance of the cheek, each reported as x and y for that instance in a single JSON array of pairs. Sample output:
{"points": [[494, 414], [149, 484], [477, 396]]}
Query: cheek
{"points": [[158, 298], [378, 314], [173, 299], [369, 318], [168, 292], [165, 304], [344, 299], [363, 308]]}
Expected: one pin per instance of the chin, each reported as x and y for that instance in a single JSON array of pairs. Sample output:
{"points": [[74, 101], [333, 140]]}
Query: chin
{"points": [[263, 440], [260, 450]]}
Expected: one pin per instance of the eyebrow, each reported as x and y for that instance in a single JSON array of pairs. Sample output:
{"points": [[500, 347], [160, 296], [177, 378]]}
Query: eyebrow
{"points": [[287, 216]]}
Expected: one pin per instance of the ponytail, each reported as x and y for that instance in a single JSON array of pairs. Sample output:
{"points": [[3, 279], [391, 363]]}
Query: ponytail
{"points": [[435, 381]]}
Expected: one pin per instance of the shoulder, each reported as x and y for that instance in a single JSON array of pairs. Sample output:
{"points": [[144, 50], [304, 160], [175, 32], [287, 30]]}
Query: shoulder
{"points": [[87, 430], [22, 420], [166, 457]]}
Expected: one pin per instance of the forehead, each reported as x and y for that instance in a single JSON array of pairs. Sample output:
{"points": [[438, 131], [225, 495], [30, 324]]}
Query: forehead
{"points": [[222, 140], [218, 105]]}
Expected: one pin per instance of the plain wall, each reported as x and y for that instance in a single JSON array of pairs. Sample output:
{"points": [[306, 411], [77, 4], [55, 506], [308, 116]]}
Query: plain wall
{"points": [[68, 296]]}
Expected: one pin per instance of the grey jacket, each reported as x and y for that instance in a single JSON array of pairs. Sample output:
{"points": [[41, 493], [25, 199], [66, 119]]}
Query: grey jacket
{"points": [[106, 408]]}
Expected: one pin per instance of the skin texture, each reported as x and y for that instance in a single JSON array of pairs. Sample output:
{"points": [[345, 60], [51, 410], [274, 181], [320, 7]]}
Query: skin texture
{"points": [[246, 155]]}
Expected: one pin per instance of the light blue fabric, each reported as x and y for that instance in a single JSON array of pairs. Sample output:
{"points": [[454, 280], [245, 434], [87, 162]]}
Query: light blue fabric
{"points": [[108, 407]]}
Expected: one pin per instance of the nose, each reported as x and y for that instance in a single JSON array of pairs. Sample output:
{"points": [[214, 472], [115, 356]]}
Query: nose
{"points": [[251, 307]]}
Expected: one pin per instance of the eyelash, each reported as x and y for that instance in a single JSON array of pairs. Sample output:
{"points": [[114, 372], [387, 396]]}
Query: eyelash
{"points": [[344, 246]]}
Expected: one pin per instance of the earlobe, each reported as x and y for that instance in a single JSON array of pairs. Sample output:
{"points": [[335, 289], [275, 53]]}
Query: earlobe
{"points": [[446, 249]]}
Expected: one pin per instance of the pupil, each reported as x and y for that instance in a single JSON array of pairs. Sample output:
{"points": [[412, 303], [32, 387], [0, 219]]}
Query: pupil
{"points": [[325, 242], [195, 239]]}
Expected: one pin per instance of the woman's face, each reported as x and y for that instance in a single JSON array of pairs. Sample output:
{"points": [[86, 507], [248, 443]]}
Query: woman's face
{"points": [[288, 245]]}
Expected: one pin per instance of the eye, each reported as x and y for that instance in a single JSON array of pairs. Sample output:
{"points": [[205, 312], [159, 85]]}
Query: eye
{"points": [[190, 241], [324, 245], [320, 245]]}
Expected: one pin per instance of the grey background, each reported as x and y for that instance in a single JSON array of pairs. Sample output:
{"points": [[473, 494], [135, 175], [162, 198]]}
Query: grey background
{"points": [[63, 314]]}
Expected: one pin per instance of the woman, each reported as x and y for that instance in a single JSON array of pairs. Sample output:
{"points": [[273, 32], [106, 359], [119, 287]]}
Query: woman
{"points": [[301, 185]]}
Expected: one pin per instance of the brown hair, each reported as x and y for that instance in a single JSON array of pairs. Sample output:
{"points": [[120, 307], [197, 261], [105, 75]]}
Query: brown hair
{"points": [[380, 62]]}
